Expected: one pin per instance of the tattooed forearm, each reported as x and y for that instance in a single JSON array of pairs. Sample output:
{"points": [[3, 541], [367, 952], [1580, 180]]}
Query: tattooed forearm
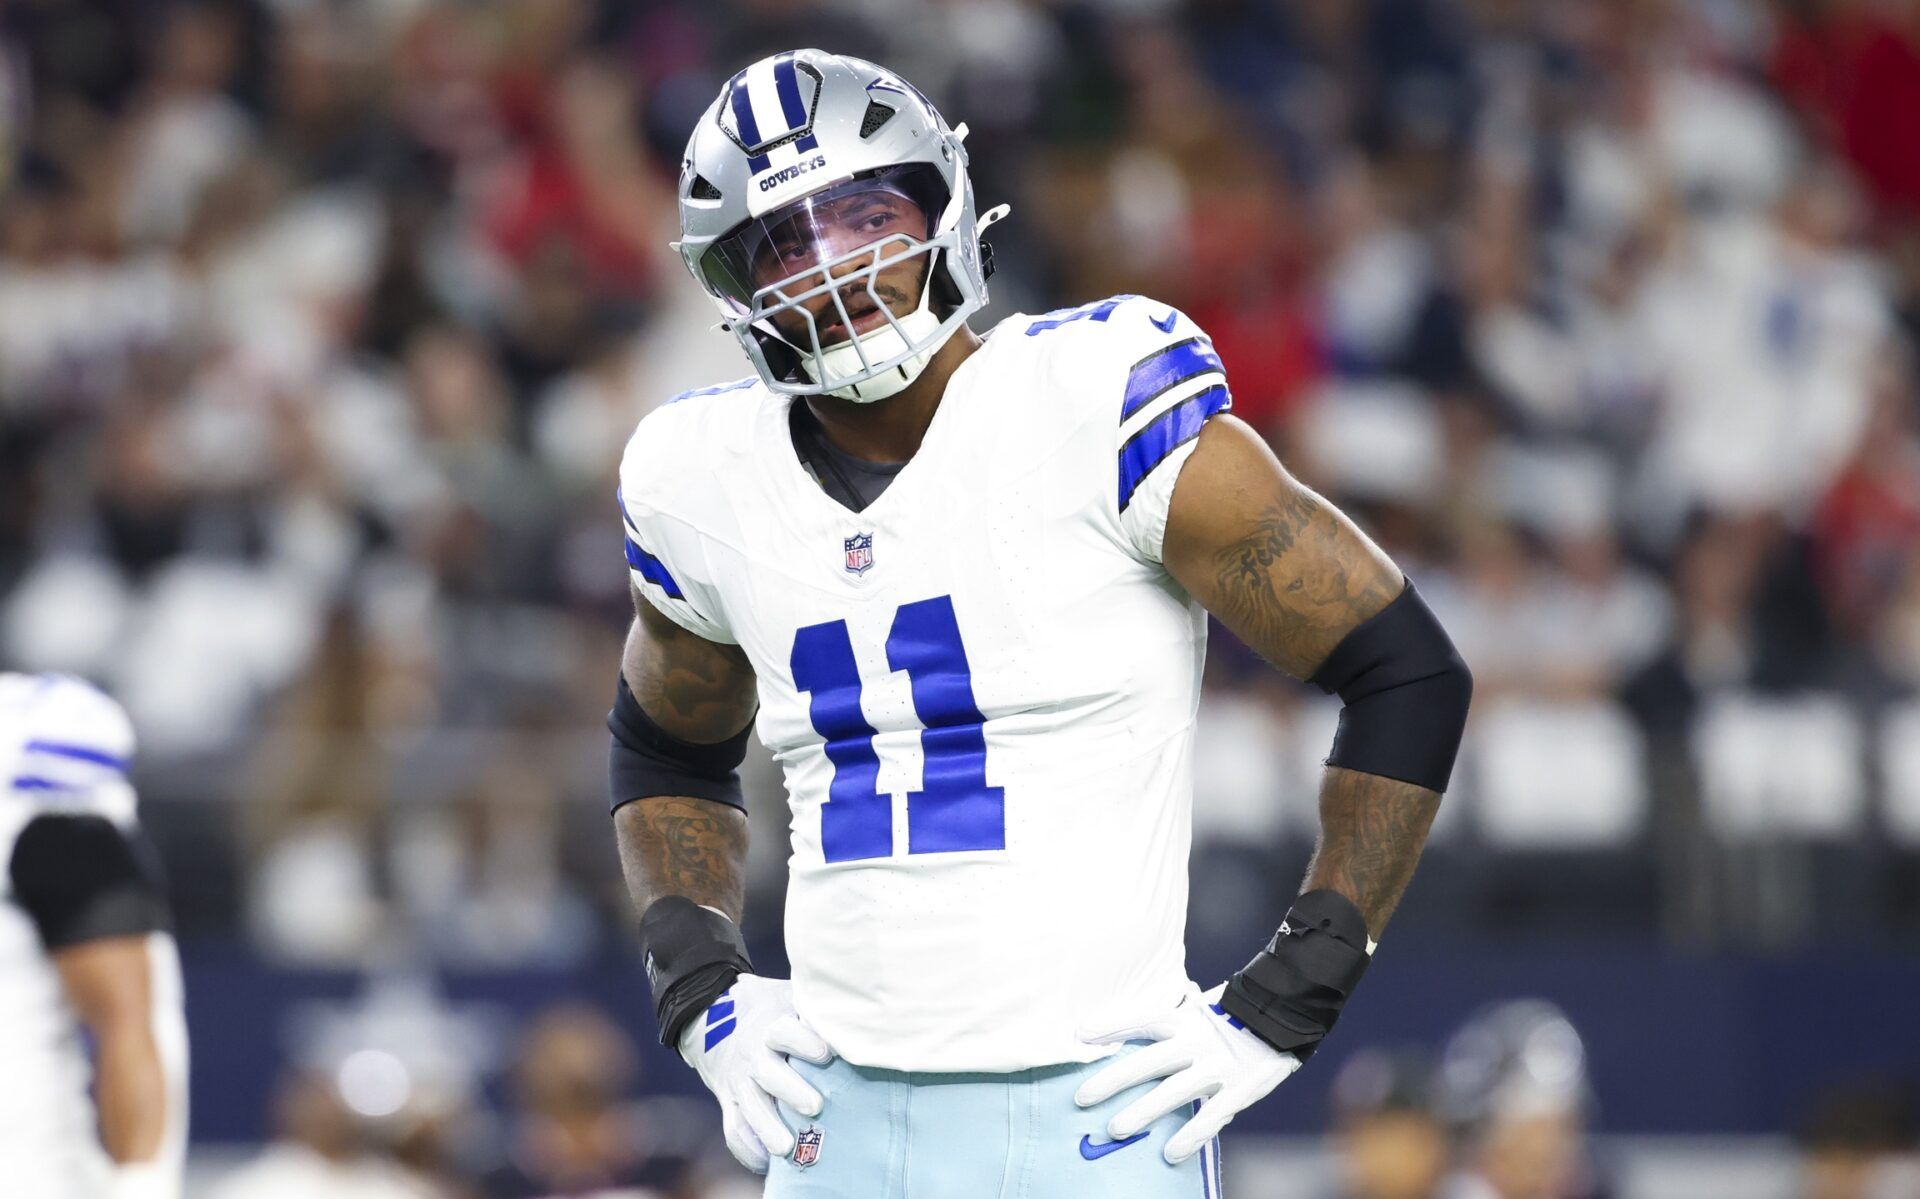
{"points": [[675, 845], [1371, 832], [1292, 576], [700, 691]]}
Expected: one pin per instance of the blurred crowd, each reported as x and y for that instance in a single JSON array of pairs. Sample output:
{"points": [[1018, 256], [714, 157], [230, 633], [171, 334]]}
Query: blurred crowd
{"points": [[323, 322], [1505, 1111], [1502, 1108], [371, 1109]]}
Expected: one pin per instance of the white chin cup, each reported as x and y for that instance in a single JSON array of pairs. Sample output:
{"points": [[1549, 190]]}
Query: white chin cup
{"points": [[880, 344]]}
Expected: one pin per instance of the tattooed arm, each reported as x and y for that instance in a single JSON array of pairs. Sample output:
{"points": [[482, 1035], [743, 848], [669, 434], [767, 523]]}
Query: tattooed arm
{"points": [[1291, 576], [700, 691]]}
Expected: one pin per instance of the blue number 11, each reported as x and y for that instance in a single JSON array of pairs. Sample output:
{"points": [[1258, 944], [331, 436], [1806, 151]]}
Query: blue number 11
{"points": [[955, 809]]}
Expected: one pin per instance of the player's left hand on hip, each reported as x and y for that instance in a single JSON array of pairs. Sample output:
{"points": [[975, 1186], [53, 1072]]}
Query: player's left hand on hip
{"points": [[1198, 1052], [740, 1046]]}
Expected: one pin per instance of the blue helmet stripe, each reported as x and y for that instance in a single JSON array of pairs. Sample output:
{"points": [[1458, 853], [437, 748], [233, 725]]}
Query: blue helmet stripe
{"points": [[1163, 370], [1170, 430], [787, 85], [786, 82], [743, 119]]}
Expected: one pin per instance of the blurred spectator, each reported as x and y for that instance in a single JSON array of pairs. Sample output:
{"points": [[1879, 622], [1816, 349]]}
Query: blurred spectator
{"points": [[1861, 1142], [1513, 1082], [322, 327], [1392, 1142], [321, 1151], [575, 1130]]}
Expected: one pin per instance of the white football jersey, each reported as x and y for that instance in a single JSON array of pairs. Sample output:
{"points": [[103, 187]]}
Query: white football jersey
{"points": [[64, 749], [981, 688]]}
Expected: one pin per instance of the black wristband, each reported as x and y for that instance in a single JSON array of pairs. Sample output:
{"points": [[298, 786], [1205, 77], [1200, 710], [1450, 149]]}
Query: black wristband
{"points": [[692, 954], [1292, 991]]}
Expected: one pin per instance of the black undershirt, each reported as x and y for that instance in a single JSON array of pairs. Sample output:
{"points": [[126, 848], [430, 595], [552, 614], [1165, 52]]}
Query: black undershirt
{"points": [[81, 878], [852, 482]]}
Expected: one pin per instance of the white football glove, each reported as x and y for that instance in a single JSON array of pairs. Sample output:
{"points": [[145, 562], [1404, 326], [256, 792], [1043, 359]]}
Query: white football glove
{"points": [[1198, 1052], [740, 1046]]}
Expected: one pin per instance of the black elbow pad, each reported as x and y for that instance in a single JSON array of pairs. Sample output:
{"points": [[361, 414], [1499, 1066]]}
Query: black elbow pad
{"points": [[646, 760], [1406, 692]]}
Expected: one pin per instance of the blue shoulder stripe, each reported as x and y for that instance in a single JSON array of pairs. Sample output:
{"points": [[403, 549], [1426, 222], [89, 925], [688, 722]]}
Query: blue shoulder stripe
{"points": [[736, 385], [1168, 432], [652, 569], [80, 753], [34, 782], [1165, 369]]}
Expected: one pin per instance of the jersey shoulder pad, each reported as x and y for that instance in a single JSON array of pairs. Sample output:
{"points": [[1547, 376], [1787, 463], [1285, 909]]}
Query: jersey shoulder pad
{"points": [[67, 744], [674, 497], [1144, 371], [688, 436], [1128, 354]]}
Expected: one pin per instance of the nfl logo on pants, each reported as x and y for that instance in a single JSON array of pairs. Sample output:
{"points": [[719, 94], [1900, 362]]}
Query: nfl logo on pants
{"points": [[806, 1147], [859, 553]]}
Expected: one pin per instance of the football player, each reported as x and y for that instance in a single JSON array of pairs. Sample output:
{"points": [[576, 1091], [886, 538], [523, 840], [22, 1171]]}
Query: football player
{"points": [[83, 945], [959, 584]]}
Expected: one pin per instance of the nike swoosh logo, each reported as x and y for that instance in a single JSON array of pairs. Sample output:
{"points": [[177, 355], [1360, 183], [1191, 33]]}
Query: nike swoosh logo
{"points": [[1094, 1153], [1165, 324]]}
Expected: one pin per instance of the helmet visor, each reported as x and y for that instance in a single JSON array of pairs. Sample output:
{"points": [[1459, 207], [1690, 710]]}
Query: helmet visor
{"points": [[826, 265]]}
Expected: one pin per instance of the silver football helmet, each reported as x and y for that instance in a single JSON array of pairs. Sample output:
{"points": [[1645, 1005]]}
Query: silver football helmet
{"points": [[825, 207]]}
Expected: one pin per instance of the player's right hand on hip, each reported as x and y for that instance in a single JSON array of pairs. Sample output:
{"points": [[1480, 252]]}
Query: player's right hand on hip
{"points": [[740, 1046]]}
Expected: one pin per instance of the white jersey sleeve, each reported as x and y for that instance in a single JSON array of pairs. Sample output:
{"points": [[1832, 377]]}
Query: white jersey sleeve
{"points": [[1147, 371], [67, 747], [666, 555]]}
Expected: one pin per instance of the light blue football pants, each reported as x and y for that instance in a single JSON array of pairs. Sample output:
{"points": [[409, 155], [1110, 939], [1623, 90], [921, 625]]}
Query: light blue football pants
{"points": [[883, 1134]]}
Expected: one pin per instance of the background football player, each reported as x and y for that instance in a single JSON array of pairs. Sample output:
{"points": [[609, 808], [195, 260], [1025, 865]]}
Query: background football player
{"points": [[83, 945], [964, 581]]}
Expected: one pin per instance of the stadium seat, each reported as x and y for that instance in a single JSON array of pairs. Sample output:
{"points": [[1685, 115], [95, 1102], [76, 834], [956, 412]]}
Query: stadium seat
{"points": [[1780, 767], [1242, 789], [1900, 773], [1559, 776]]}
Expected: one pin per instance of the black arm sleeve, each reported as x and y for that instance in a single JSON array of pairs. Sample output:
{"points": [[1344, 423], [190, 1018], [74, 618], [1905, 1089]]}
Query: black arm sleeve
{"points": [[1406, 692], [82, 878], [646, 760]]}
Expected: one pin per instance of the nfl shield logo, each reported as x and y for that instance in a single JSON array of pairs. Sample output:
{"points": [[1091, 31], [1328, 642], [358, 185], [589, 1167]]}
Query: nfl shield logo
{"points": [[806, 1147], [859, 553]]}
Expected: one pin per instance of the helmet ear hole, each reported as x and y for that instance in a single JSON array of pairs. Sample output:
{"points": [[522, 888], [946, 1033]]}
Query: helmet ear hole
{"points": [[946, 291], [782, 359]]}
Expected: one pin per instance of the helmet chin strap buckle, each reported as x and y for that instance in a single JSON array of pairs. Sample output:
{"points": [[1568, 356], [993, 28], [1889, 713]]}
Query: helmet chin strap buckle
{"points": [[991, 217]]}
